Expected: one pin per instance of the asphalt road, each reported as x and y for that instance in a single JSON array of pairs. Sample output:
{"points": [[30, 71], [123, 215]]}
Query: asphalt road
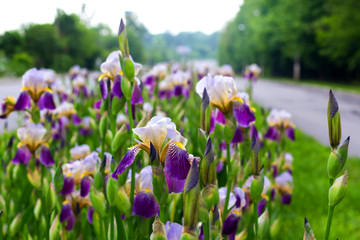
{"points": [[307, 104]]}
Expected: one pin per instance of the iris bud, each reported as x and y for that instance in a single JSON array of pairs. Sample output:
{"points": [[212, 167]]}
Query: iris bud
{"points": [[116, 105], [98, 202], [128, 68], [188, 235], [205, 115], [119, 139], [191, 198], [202, 136], [208, 168], [126, 88], [229, 131], [58, 179], [308, 233], [55, 229], [103, 126], [255, 148], [98, 180], [15, 225], [111, 190], [34, 178], [210, 195], [160, 188], [264, 225], [122, 203], [334, 122], [98, 226], [338, 189], [123, 41], [256, 188], [37, 209], [159, 231]]}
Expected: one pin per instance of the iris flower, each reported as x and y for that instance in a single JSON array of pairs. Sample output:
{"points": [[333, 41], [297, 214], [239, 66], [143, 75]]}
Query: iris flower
{"points": [[223, 95], [284, 184], [32, 138], [226, 70], [7, 107], [176, 84], [173, 155], [36, 88], [280, 121], [252, 72]]}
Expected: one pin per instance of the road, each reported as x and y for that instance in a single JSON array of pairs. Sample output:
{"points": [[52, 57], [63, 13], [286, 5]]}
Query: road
{"points": [[307, 104]]}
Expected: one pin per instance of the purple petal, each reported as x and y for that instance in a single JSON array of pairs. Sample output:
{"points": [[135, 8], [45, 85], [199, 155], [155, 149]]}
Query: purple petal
{"points": [[254, 131], [220, 166], [212, 122], [85, 186], [46, 101], [230, 224], [286, 199], [243, 114], [174, 186], [261, 206], [220, 117], [149, 80], [45, 156], [117, 87], [178, 90], [103, 89], [275, 171], [177, 163], [24, 101], [126, 161], [272, 133], [70, 223], [89, 214], [145, 205], [23, 155], [76, 119], [290, 133], [97, 104], [136, 97], [173, 230], [68, 187], [66, 212], [237, 136], [272, 194]]}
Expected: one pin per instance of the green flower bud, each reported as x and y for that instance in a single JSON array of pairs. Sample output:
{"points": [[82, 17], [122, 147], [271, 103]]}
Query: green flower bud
{"points": [[188, 234], [98, 180], [103, 126], [98, 226], [256, 188], [208, 168], [122, 203], [159, 231], [111, 190], [98, 202], [108, 137], [37, 209], [123, 41], [308, 233], [119, 139], [203, 138], [203, 210], [338, 189], [55, 229], [205, 115], [334, 122], [126, 88], [128, 68], [255, 160], [191, 197], [116, 105], [50, 199], [343, 150], [210, 195], [334, 164], [15, 225], [264, 225], [34, 178]]}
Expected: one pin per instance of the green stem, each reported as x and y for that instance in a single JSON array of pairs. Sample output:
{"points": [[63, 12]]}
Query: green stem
{"points": [[121, 233], [112, 228], [173, 209], [145, 228], [163, 213], [206, 227], [255, 219], [228, 181], [328, 224]]}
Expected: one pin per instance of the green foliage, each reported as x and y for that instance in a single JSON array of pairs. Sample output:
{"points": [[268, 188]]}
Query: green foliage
{"points": [[20, 63], [277, 33]]}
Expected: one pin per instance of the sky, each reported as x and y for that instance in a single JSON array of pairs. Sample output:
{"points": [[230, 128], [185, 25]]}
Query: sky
{"points": [[157, 15]]}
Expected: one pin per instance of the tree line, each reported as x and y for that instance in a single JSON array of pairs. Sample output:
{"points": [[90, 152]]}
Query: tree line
{"points": [[316, 39]]}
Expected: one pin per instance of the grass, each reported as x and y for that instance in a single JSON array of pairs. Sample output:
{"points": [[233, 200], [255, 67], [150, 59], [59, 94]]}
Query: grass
{"points": [[350, 87], [311, 191]]}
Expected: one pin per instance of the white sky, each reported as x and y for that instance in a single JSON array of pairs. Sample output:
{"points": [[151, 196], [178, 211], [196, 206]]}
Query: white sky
{"points": [[157, 15]]}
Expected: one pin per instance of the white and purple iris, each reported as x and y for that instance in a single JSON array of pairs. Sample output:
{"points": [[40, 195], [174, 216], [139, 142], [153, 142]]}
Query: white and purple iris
{"points": [[279, 121], [176, 84], [32, 138], [223, 95], [173, 155], [252, 72]]}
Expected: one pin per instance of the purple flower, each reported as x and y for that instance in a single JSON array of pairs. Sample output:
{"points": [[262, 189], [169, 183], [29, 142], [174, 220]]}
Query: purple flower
{"points": [[145, 204]]}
